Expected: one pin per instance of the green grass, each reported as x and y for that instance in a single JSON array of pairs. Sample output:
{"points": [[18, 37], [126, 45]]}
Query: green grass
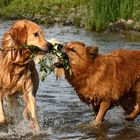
{"points": [[136, 14], [41, 10], [102, 12], [126, 8]]}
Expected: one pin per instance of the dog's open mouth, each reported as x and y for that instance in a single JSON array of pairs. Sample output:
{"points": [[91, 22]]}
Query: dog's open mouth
{"points": [[36, 50]]}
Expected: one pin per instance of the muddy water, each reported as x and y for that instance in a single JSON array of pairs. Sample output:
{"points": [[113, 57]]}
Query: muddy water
{"points": [[60, 113]]}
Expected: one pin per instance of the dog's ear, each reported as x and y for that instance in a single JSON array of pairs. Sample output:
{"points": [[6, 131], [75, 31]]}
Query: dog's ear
{"points": [[92, 52], [19, 34]]}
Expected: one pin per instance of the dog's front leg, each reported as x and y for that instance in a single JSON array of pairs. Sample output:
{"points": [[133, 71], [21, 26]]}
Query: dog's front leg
{"points": [[104, 105], [30, 110], [2, 114]]}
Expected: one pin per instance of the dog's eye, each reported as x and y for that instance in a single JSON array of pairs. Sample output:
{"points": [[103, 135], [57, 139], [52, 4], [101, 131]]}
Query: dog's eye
{"points": [[36, 34], [73, 49]]}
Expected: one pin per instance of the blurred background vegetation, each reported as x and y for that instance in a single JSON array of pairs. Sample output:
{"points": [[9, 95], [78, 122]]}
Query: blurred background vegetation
{"points": [[91, 14]]}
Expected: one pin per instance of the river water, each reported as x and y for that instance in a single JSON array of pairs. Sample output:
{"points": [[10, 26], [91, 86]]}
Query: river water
{"points": [[60, 113]]}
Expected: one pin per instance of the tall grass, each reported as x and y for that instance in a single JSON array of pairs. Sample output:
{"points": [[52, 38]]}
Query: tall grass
{"points": [[126, 8], [4, 2], [136, 14], [105, 11]]}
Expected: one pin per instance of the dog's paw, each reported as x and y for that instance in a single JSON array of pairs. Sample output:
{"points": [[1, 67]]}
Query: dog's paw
{"points": [[95, 124], [34, 125], [129, 117]]}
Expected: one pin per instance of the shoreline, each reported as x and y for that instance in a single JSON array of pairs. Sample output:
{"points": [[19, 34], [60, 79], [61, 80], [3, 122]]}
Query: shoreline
{"points": [[130, 35]]}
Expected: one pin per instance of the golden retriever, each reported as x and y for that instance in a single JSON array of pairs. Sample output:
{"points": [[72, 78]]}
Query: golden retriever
{"points": [[17, 68], [104, 80]]}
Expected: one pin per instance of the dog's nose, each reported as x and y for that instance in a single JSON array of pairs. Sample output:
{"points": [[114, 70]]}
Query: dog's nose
{"points": [[60, 46], [50, 46]]}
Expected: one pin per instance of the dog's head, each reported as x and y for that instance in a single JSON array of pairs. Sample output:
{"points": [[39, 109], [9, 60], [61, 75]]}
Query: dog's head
{"points": [[78, 53], [25, 32], [79, 56]]}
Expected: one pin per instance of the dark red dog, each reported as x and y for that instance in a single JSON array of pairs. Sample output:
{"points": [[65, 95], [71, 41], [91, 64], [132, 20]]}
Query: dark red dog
{"points": [[104, 80]]}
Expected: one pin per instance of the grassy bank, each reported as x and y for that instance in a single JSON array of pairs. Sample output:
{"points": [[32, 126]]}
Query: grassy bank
{"points": [[43, 11], [92, 14]]}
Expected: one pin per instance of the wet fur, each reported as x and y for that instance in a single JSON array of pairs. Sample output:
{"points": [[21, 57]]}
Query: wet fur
{"points": [[17, 69], [104, 80]]}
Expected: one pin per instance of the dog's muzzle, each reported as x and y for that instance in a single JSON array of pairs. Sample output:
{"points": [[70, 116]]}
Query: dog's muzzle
{"points": [[50, 46]]}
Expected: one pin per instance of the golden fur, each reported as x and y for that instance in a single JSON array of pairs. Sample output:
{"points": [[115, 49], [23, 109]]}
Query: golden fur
{"points": [[17, 69], [104, 80]]}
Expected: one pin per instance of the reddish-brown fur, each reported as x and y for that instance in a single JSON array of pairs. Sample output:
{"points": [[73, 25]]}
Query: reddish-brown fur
{"points": [[17, 69], [104, 80]]}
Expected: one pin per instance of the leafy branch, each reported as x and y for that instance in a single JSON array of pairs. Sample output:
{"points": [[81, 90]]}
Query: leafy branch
{"points": [[54, 58]]}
